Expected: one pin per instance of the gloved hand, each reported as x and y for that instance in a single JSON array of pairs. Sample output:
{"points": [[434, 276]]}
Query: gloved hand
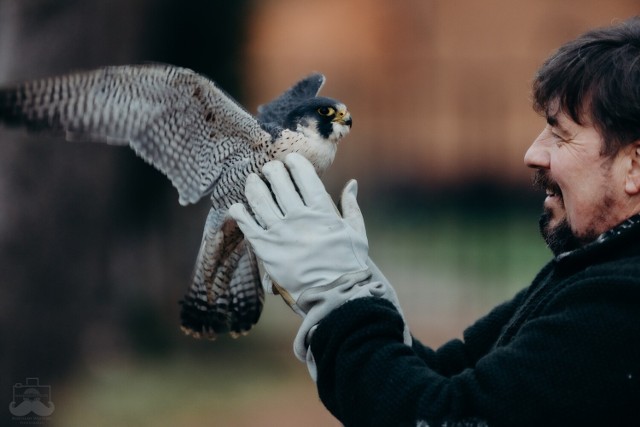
{"points": [[306, 247], [379, 284], [317, 257]]}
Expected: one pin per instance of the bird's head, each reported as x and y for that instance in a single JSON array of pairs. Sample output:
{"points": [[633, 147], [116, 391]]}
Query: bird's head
{"points": [[324, 117]]}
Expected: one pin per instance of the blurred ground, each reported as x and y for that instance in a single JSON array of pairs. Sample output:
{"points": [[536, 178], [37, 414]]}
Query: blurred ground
{"points": [[261, 389]]}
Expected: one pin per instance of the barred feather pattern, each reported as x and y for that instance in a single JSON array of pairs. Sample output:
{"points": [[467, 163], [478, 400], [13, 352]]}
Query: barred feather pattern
{"points": [[176, 120], [225, 296], [195, 134]]}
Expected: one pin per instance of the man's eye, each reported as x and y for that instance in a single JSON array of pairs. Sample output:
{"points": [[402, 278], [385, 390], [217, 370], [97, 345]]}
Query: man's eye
{"points": [[558, 138]]}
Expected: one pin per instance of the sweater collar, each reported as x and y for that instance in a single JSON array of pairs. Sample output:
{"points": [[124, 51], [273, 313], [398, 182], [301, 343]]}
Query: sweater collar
{"points": [[610, 243]]}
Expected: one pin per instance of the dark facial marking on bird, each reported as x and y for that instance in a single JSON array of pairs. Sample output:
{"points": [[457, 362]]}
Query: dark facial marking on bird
{"points": [[322, 110]]}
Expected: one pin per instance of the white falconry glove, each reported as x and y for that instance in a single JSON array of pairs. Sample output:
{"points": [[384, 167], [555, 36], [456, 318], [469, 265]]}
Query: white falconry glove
{"points": [[316, 258]]}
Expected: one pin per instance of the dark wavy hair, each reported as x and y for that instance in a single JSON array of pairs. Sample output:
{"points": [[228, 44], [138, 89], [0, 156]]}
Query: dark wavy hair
{"points": [[596, 77]]}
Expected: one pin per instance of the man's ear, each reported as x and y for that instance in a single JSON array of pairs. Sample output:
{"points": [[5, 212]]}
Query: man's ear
{"points": [[632, 183]]}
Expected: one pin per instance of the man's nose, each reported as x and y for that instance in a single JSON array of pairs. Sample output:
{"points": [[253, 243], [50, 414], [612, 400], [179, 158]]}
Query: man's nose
{"points": [[537, 156]]}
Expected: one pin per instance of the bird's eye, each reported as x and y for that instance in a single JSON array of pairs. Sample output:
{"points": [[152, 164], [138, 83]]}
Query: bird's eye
{"points": [[326, 111]]}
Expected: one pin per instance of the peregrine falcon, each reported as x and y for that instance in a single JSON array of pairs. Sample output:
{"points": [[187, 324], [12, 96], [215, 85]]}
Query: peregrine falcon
{"points": [[184, 125]]}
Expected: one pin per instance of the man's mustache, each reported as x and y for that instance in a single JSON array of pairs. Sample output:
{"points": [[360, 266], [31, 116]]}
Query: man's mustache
{"points": [[543, 181]]}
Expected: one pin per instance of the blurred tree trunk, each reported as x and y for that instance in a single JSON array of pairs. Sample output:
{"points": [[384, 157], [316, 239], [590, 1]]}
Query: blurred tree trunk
{"points": [[87, 230]]}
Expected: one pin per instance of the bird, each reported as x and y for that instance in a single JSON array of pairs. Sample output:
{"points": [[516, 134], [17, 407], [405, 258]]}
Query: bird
{"points": [[205, 143]]}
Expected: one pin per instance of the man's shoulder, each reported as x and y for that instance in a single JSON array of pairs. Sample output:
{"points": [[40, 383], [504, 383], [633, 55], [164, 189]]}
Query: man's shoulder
{"points": [[624, 267], [607, 282]]}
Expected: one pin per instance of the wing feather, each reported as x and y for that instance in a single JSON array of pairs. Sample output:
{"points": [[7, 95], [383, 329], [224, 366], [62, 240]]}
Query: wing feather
{"points": [[225, 293], [175, 119]]}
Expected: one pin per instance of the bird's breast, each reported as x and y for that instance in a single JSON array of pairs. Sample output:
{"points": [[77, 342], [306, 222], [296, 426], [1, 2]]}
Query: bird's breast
{"points": [[319, 151]]}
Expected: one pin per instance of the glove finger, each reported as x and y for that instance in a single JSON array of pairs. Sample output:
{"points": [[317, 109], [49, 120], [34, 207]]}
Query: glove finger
{"points": [[247, 223], [282, 186], [350, 208], [265, 209], [308, 182]]}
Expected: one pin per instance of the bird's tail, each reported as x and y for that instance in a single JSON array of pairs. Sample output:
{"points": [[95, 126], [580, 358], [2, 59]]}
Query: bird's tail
{"points": [[225, 295]]}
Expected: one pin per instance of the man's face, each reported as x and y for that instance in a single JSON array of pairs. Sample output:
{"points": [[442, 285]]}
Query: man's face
{"points": [[585, 190]]}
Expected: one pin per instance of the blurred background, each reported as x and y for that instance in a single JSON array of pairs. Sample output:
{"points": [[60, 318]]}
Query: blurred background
{"points": [[95, 251]]}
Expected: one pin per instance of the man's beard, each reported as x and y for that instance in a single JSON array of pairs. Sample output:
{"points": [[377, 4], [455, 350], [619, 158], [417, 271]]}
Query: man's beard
{"points": [[561, 237]]}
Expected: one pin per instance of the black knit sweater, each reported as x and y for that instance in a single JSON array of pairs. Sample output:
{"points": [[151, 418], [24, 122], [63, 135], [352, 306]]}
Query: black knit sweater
{"points": [[563, 352]]}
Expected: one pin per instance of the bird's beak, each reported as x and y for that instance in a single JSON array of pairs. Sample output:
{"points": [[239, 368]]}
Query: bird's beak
{"points": [[343, 117]]}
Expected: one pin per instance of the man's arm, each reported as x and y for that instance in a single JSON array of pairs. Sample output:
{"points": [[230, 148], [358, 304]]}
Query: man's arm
{"points": [[574, 364], [456, 355]]}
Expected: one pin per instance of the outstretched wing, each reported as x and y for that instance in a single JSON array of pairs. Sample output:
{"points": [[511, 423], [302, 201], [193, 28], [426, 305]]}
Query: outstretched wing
{"points": [[178, 121], [276, 111]]}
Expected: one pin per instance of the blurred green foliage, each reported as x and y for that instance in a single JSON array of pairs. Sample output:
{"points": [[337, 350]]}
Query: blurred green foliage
{"points": [[482, 235]]}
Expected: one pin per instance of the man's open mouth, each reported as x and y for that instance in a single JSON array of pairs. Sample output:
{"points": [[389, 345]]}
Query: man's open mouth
{"points": [[543, 181]]}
